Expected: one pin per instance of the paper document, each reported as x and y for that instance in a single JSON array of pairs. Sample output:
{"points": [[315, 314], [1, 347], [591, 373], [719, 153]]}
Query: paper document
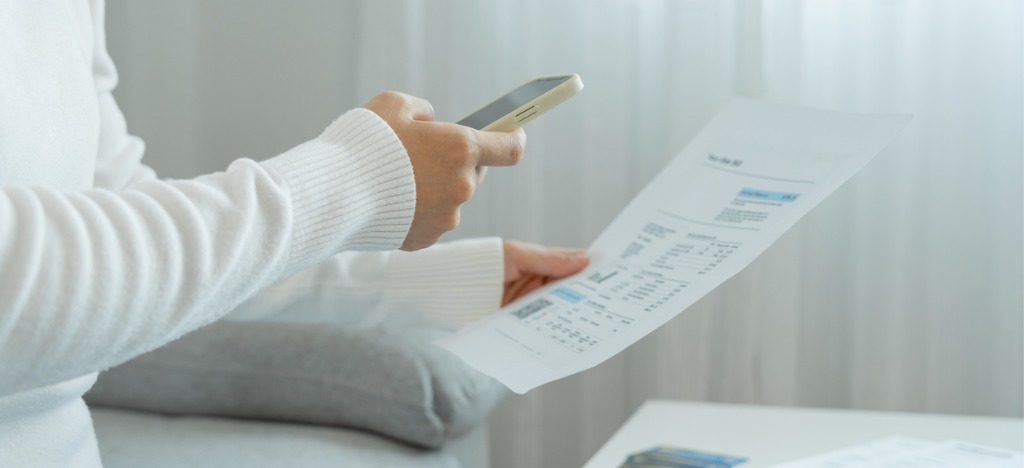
{"points": [[904, 452], [741, 183]]}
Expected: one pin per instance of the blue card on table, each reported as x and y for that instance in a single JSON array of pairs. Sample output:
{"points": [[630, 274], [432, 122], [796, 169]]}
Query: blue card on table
{"points": [[668, 457]]}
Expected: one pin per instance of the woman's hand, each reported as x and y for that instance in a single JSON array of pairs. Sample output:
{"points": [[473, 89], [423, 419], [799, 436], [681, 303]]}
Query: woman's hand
{"points": [[446, 160], [530, 266]]}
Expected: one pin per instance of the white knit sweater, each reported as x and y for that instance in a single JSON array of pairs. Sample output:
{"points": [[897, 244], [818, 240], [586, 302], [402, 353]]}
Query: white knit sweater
{"points": [[100, 261]]}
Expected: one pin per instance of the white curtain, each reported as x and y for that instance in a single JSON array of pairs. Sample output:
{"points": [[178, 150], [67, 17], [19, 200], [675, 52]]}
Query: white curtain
{"points": [[903, 291]]}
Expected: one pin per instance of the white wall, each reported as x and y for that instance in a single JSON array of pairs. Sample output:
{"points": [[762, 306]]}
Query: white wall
{"points": [[902, 291]]}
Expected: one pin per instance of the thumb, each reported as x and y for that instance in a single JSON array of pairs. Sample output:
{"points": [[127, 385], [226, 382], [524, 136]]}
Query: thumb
{"points": [[500, 148], [553, 262]]}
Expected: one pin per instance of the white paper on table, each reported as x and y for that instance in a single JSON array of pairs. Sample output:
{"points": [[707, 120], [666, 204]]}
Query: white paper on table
{"points": [[740, 184], [903, 452], [866, 454], [955, 453]]}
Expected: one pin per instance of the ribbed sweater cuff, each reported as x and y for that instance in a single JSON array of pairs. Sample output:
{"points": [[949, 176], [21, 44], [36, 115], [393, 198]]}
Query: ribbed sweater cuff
{"points": [[351, 188], [451, 284]]}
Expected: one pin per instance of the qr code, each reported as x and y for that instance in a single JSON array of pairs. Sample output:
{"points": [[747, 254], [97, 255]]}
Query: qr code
{"points": [[531, 308]]}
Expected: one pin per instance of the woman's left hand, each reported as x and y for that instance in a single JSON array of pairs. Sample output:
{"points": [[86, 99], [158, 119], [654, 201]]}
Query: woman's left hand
{"points": [[530, 266]]}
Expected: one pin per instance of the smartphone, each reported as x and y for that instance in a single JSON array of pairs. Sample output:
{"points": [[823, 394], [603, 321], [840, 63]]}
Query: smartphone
{"points": [[524, 103]]}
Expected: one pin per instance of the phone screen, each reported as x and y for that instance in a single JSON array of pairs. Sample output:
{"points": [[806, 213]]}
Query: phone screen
{"points": [[512, 101]]}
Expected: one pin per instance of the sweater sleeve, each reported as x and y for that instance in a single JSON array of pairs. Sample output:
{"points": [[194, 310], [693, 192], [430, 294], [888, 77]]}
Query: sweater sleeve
{"points": [[449, 284], [91, 278]]}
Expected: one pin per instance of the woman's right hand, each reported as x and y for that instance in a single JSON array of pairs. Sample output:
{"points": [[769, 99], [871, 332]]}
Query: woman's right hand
{"points": [[445, 158]]}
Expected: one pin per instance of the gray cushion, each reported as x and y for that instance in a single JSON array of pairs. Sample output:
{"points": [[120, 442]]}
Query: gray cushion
{"points": [[391, 381]]}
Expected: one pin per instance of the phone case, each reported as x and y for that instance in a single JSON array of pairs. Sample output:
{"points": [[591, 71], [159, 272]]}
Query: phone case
{"points": [[538, 106]]}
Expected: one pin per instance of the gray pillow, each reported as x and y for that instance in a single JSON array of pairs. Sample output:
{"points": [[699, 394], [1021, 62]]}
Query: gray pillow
{"points": [[391, 381]]}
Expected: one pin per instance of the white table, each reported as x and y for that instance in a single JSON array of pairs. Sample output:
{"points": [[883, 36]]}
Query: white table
{"points": [[768, 435]]}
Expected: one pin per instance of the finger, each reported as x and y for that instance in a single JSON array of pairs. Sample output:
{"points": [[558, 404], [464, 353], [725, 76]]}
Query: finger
{"points": [[500, 148], [418, 108], [513, 291], [522, 287], [553, 262]]}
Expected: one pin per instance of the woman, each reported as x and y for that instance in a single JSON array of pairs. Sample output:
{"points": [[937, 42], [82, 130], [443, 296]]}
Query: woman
{"points": [[100, 261]]}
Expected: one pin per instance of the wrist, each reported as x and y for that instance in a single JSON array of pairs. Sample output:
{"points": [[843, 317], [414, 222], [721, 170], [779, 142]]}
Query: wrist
{"points": [[351, 188]]}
